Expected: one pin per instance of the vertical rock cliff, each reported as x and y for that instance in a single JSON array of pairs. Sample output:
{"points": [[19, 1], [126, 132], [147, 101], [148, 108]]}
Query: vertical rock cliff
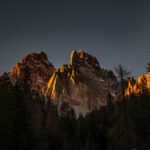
{"points": [[141, 86], [82, 83], [35, 69]]}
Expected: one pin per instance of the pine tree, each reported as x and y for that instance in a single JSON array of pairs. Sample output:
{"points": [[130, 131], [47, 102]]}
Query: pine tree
{"points": [[148, 67], [6, 112], [23, 134]]}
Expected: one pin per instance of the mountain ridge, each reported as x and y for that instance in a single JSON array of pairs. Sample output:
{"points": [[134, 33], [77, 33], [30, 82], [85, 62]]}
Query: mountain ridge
{"points": [[82, 83], [139, 86]]}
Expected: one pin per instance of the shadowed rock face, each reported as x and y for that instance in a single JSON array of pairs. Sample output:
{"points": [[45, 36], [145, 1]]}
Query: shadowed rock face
{"points": [[79, 57], [141, 86], [35, 69], [82, 83]]}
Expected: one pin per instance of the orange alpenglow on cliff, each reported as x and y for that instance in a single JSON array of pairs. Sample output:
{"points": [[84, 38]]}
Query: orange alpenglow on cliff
{"points": [[141, 86], [82, 83], [35, 69]]}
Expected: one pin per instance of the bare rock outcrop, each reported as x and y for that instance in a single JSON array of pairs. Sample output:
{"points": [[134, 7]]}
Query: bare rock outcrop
{"points": [[141, 86], [82, 83], [35, 69]]}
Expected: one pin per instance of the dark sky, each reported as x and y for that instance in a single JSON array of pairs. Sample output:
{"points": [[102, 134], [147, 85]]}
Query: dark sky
{"points": [[115, 31]]}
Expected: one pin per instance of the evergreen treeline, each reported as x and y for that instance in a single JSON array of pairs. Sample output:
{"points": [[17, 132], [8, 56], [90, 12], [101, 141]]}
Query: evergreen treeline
{"points": [[26, 122]]}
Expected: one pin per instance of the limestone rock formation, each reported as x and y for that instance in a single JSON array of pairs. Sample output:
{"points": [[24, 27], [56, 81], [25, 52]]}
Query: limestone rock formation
{"points": [[35, 69], [141, 86], [82, 83]]}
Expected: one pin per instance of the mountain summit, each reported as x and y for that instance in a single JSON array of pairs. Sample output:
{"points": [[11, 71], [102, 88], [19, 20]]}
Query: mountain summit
{"points": [[141, 86], [83, 84], [35, 69]]}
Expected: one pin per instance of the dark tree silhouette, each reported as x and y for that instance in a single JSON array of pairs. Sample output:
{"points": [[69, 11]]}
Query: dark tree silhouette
{"points": [[148, 67], [122, 75]]}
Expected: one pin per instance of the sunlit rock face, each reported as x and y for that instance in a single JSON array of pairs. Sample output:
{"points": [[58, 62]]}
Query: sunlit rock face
{"points": [[35, 69], [82, 83], [141, 86]]}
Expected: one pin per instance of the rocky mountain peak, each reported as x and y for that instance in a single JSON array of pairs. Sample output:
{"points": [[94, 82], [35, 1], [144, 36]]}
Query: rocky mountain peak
{"points": [[35, 68], [81, 58], [82, 83], [40, 57], [141, 86]]}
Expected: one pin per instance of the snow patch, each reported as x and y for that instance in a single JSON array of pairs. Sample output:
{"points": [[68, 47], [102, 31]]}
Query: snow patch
{"points": [[113, 94]]}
